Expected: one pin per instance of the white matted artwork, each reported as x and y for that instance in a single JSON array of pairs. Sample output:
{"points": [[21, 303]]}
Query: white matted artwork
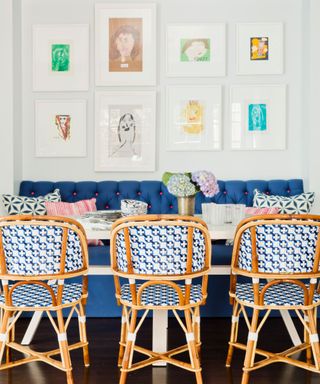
{"points": [[258, 117], [60, 128], [259, 48], [193, 118], [196, 50], [125, 44], [125, 131], [61, 57]]}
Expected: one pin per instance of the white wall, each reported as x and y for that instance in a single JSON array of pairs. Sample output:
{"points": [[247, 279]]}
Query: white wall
{"points": [[6, 97], [226, 164]]}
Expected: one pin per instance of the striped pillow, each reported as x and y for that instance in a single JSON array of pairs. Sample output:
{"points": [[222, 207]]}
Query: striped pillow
{"points": [[73, 209], [252, 211]]}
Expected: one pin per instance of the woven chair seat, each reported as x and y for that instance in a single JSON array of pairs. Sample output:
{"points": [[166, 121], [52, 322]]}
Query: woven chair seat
{"points": [[284, 294], [33, 295], [161, 295]]}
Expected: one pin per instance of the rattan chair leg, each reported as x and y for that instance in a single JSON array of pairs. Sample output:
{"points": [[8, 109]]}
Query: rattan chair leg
{"points": [[83, 335], [307, 340], [194, 357], [196, 328], [64, 349], [127, 358], [251, 347], [123, 338], [314, 343], [11, 338], [3, 331], [233, 333]]}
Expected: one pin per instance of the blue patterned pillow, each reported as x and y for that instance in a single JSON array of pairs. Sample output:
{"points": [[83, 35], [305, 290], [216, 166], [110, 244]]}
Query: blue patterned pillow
{"points": [[21, 205], [297, 204]]}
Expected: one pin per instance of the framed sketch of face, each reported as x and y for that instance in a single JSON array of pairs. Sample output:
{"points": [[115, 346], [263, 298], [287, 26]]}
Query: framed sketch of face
{"points": [[125, 39], [196, 50], [60, 128], [125, 131], [61, 57]]}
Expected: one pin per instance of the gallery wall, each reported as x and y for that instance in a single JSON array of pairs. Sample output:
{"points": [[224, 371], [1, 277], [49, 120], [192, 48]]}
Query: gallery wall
{"points": [[226, 164]]}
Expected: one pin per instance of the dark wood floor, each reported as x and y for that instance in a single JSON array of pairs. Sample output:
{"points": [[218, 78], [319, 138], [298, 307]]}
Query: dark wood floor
{"points": [[103, 337]]}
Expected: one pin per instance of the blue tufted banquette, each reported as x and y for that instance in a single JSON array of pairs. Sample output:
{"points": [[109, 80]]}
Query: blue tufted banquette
{"points": [[110, 193]]}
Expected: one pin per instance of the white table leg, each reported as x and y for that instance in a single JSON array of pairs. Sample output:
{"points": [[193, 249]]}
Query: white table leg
{"points": [[290, 326], [32, 327], [159, 333]]}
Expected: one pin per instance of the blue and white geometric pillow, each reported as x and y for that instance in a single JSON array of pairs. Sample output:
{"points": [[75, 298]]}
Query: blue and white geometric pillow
{"points": [[21, 205], [297, 204]]}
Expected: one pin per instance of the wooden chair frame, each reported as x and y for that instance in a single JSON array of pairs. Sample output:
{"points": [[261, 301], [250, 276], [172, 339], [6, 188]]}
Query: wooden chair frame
{"points": [[307, 313], [11, 313], [130, 325]]}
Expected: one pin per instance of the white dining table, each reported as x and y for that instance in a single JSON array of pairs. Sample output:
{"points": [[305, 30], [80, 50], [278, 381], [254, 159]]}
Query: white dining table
{"points": [[160, 317]]}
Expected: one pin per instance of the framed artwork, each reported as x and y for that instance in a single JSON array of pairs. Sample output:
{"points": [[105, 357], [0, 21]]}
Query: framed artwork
{"points": [[196, 50], [60, 128], [125, 131], [125, 44], [61, 57], [193, 118], [258, 117], [259, 48]]}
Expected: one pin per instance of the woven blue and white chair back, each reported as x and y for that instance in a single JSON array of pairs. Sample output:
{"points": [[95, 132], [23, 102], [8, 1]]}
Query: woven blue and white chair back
{"points": [[41, 247], [160, 246], [280, 244]]}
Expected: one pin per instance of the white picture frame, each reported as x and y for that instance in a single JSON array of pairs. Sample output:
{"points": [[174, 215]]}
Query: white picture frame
{"points": [[114, 64], [60, 128], [61, 57], [125, 131], [196, 50], [259, 48], [194, 118], [258, 117]]}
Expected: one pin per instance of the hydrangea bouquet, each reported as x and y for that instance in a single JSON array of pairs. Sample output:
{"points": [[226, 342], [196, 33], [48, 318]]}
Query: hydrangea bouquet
{"points": [[188, 184]]}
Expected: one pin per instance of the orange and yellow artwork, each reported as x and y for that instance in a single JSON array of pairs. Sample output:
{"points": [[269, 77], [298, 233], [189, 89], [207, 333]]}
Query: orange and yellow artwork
{"points": [[259, 47], [193, 117]]}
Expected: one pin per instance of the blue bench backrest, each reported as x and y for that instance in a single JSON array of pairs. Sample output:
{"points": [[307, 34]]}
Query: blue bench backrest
{"points": [[155, 193]]}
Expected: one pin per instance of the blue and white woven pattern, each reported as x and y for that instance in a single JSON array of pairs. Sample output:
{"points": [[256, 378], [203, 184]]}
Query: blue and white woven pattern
{"points": [[161, 295], [161, 250], [33, 295], [280, 248], [36, 250], [284, 294]]}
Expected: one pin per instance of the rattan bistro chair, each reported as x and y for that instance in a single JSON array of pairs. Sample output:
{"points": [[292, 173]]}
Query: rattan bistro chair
{"points": [[159, 256], [37, 255], [279, 254]]}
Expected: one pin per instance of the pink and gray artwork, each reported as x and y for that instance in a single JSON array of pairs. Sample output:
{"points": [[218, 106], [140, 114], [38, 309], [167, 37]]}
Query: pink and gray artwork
{"points": [[63, 124]]}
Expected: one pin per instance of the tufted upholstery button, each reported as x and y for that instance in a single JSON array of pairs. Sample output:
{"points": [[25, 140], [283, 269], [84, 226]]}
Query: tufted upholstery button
{"points": [[224, 192], [118, 193], [107, 206], [267, 193], [96, 193], [160, 193], [289, 190], [246, 192], [139, 193], [74, 193], [149, 206], [32, 193], [170, 206]]}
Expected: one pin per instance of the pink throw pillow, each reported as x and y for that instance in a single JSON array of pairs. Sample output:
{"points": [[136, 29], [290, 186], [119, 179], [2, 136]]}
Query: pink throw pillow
{"points": [[250, 211], [73, 209]]}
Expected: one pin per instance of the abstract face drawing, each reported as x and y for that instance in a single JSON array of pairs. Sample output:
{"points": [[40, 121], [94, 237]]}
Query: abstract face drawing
{"points": [[257, 117], [125, 43], [126, 134], [60, 57], [259, 48], [195, 50], [193, 115], [63, 126]]}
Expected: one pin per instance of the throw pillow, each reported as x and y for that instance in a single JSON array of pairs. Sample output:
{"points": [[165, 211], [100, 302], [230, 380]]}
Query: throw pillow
{"points": [[22, 205], [252, 211], [297, 204], [73, 209]]}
